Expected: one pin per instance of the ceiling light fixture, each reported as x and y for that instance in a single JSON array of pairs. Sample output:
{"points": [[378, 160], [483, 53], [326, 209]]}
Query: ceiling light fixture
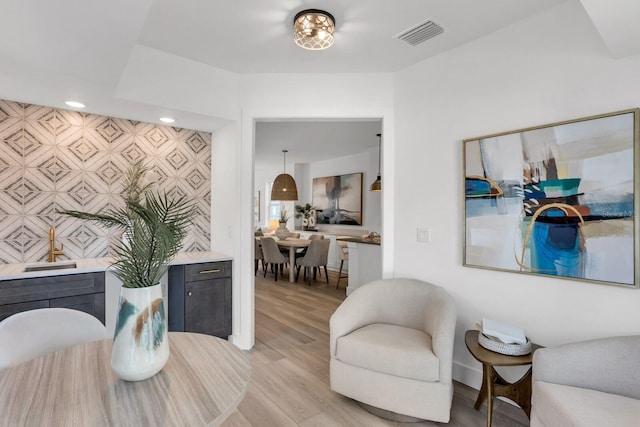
{"points": [[377, 184], [313, 29], [284, 186], [74, 104], [167, 120]]}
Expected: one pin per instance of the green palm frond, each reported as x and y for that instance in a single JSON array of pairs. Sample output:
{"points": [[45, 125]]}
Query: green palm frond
{"points": [[154, 230]]}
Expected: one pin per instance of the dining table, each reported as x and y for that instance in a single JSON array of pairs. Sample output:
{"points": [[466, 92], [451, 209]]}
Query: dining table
{"points": [[202, 383], [293, 245]]}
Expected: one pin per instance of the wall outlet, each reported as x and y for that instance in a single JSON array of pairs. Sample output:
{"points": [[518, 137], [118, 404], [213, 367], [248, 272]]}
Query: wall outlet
{"points": [[423, 235]]}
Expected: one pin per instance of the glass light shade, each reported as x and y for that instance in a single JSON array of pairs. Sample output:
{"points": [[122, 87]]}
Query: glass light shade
{"points": [[313, 29], [284, 188]]}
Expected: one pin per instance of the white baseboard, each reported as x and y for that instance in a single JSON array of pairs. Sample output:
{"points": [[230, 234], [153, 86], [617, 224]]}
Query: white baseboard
{"points": [[467, 375]]}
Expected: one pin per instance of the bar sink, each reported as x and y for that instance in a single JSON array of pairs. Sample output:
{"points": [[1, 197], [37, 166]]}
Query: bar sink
{"points": [[50, 266]]}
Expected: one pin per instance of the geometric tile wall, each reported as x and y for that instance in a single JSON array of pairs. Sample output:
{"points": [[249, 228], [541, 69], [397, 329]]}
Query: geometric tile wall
{"points": [[53, 159]]}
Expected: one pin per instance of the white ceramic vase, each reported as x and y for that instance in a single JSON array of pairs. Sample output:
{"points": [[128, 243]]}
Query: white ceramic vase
{"points": [[140, 343], [282, 232]]}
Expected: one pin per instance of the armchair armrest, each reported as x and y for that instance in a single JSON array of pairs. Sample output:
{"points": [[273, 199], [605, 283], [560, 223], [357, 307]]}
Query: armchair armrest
{"points": [[609, 365]]}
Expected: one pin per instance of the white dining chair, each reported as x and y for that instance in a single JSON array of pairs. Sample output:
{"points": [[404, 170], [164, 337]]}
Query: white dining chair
{"points": [[30, 334]]}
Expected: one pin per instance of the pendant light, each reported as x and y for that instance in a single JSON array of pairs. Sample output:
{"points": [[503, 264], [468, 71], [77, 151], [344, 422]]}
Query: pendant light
{"points": [[284, 186], [377, 184]]}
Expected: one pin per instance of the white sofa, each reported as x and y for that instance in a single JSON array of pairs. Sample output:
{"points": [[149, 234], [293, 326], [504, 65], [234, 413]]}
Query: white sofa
{"points": [[587, 384], [392, 348]]}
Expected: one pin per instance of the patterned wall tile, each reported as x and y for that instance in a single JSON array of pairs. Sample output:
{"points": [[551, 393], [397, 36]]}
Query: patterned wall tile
{"points": [[69, 118], [11, 227], [12, 130], [177, 160], [67, 134], [8, 205], [11, 251], [41, 131], [73, 248], [39, 179], [69, 182], [98, 138], [128, 127], [36, 227], [94, 181], [96, 202], [36, 250], [38, 113], [39, 203], [134, 153], [68, 159], [67, 201], [96, 247], [11, 153], [11, 109], [95, 161], [52, 159], [198, 142]]}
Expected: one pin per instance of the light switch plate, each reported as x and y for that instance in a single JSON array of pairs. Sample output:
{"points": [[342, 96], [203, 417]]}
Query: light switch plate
{"points": [[423, 235]]}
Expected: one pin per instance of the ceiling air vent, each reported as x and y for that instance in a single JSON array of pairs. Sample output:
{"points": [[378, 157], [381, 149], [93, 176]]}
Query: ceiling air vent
{"points": [[420, 33]]}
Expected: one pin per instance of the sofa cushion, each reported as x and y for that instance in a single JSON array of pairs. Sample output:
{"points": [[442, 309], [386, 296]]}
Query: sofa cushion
{"points": [[561, 405], [390, 349]]}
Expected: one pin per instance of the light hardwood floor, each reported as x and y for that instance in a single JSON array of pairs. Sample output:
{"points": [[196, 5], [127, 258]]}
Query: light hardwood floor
{"points": [[290, 366]]}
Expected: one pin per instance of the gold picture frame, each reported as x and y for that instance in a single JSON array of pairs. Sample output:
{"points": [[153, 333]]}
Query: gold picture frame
{"points": [[556, 200]]}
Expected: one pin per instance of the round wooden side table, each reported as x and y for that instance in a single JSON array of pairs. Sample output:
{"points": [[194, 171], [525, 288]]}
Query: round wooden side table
{"points": [[493, 385]]}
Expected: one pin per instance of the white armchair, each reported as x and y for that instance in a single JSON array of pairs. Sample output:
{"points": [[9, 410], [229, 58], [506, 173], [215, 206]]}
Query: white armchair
{"points": [[33, 333], [391, 344], [587, 384]]}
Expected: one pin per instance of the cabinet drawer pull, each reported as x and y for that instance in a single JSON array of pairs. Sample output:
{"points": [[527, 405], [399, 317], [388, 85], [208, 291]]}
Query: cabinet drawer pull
{"points": [[189, 293], [217, 270]]}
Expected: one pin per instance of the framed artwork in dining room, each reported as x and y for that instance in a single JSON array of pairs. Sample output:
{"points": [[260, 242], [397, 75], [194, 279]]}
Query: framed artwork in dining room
{"points": [[338, 199], [556, 200]]}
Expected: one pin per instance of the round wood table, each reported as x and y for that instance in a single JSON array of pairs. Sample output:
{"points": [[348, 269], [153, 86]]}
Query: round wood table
{"points": [[201, 385], [293, 244], [493, 385]]}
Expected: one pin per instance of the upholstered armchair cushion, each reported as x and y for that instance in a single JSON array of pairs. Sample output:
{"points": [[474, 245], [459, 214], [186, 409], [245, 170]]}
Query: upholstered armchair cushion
{"points": [[390, 349], [391, 346], [588, 383]]}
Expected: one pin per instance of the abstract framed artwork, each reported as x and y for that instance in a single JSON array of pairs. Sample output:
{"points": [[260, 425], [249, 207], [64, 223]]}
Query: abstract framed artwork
{"points": [[338, 199], [559, 200]]}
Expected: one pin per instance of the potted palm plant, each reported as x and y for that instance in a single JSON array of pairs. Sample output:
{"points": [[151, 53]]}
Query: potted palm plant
{"points": [[153, 226], [282, 232]]}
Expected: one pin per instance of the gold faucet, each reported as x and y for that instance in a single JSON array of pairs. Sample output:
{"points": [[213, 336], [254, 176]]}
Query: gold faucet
{"points": [[53, 252]]}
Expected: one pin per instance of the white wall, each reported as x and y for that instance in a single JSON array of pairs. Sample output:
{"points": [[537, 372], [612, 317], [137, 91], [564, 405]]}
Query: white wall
{"points": [[549, 67], [225, 228]]}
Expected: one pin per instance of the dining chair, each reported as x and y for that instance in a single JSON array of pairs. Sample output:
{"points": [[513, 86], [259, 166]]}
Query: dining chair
{"points": [[316, 257], [343, 255], [272, 255], [258, 256], [303, 251], [30, 334]]}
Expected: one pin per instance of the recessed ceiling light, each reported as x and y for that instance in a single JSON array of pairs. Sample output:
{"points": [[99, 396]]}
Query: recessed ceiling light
{"points": [[75, 104], [167, 119]]}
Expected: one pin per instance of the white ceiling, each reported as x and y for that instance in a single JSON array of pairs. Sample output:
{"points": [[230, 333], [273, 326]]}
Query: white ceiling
{"points": [[255, 36], [53, 50]]}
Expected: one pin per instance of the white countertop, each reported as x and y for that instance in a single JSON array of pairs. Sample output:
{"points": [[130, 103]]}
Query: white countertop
{"points": [[16, 271]]}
